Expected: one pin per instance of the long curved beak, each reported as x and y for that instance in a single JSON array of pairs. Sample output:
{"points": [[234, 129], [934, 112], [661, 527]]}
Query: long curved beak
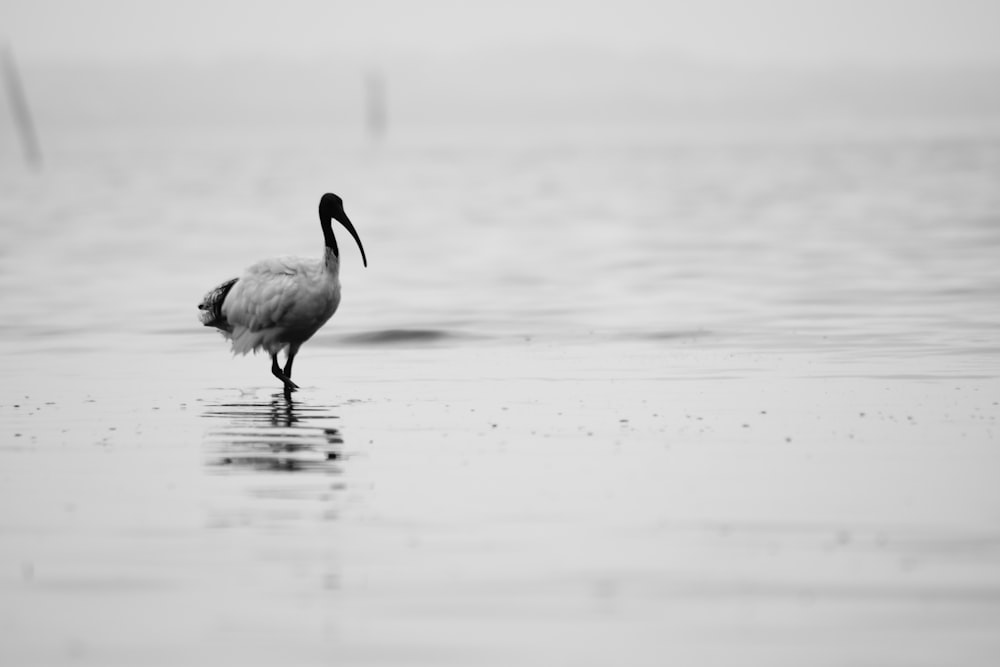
{"points": [[346, 222]]}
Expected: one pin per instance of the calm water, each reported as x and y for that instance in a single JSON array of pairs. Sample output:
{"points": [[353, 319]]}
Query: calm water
{"points": [[873, 245], [599, 398]]}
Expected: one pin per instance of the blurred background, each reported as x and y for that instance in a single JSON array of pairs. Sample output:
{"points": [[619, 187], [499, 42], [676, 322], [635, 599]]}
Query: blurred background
{"points": [[444, 63], [767, 172]]}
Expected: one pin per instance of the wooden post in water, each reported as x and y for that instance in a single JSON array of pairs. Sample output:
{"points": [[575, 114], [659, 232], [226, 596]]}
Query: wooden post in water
{"points": [[375, 105], [19, 107]]}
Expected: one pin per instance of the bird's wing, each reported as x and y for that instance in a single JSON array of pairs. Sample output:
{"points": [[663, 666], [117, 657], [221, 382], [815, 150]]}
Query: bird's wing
{"points": [[265, 293]]}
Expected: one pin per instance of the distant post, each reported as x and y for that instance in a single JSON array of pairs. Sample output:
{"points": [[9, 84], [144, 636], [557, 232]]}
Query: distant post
{"points": [[19, 108], [376, 113]]}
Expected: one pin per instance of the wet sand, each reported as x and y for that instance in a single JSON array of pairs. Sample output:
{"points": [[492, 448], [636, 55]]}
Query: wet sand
{"points": [[497, 504]]}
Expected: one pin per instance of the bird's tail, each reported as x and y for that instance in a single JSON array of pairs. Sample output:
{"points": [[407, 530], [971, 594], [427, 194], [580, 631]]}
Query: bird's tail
{"points": [[211, 307]]}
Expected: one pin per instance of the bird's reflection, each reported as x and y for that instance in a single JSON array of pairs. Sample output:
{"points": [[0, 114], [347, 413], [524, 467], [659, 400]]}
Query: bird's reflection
{"points": [[276, 434]]}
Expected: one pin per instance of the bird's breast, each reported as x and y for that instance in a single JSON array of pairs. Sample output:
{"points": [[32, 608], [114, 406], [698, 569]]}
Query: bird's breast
{"points": [[312, 303]]}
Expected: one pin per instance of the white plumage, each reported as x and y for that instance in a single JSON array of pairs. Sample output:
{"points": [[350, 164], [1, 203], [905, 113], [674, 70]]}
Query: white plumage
{"points": [[279, 303], [280, 299]]}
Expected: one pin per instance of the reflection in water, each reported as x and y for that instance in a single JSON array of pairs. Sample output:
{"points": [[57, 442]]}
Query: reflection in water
{"points": [[276, 434]]}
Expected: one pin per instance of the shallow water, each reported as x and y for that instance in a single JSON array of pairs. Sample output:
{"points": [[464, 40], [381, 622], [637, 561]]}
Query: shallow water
{"points": [[596, 399]]}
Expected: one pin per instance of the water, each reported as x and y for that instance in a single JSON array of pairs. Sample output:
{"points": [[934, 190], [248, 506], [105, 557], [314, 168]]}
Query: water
{"points": [[599, 396], [877, 244]]}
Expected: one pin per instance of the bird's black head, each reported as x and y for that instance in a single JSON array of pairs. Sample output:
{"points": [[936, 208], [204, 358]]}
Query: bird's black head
{"points": [[332, 207], [329, 203]]}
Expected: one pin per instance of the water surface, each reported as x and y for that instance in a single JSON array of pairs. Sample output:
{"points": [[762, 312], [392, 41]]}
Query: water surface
{"points": [[597, 399]]}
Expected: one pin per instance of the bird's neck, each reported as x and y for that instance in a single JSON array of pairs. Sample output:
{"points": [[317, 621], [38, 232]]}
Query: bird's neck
{"points": [[331, 254], [331, 261], [328, 238]]}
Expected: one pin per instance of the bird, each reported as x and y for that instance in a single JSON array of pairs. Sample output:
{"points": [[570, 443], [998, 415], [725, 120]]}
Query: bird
{"points": [[279, 303]]}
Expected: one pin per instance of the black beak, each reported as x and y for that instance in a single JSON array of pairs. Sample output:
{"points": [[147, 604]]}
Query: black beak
{"points": [[346, 222]]}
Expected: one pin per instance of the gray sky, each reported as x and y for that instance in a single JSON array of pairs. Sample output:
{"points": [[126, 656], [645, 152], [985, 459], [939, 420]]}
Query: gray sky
{"points": [[750, 32]]}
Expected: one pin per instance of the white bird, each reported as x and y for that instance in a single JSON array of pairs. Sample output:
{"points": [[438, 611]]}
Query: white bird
{"points": [[279, 303]]}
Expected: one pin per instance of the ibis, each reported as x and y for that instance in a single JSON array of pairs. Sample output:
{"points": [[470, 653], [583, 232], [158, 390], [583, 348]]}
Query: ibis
{"points": [[279, 303]]}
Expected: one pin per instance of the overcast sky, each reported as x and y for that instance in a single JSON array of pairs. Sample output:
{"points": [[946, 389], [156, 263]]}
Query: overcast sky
{"points": [[748, 32]]}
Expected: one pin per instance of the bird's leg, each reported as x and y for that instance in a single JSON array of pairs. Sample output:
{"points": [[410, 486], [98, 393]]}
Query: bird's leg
{"points": [[277, 372], [292, 351]]}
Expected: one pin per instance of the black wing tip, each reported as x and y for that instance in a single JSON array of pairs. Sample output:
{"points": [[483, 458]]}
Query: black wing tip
{"points": [[211, 306]]}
